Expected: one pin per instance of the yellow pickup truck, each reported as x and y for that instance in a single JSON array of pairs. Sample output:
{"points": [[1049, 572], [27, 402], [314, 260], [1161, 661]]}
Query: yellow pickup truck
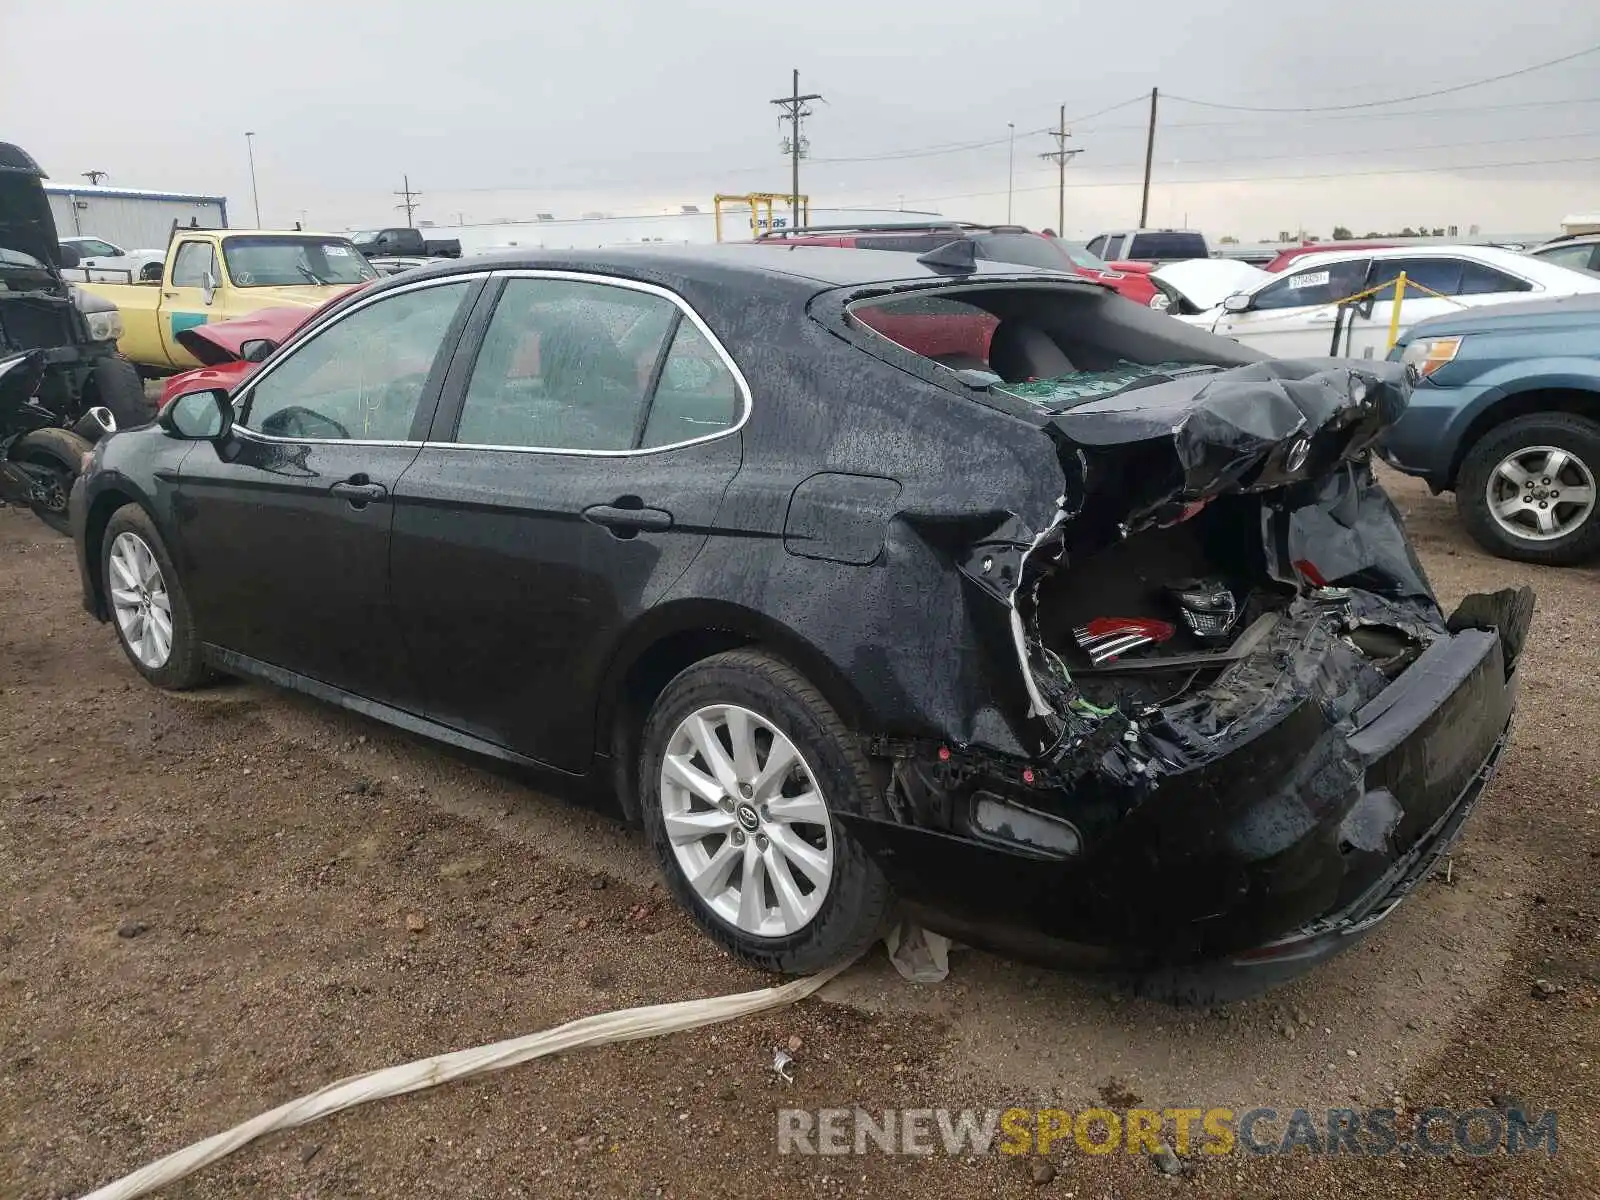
{"points": [[218, 274]]}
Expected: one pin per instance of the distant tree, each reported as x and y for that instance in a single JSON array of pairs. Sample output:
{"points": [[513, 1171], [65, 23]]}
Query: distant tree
{"points": [[1342, 234], [1228, 240], [1406, 232], [1371, 233], [1438, 231]]}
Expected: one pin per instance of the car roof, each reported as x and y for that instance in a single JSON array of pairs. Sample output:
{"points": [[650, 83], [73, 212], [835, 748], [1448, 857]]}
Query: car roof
{"points": [[1490, 255], [822, 266]]}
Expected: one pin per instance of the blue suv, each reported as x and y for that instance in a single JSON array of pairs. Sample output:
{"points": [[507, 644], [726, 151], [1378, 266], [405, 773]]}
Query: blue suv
{"points": [[1506, 414]]}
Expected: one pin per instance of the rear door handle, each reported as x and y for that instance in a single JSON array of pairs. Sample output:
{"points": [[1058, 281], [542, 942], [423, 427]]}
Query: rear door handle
{"points": [[359, 491], [626, 522], [1324, 316]]}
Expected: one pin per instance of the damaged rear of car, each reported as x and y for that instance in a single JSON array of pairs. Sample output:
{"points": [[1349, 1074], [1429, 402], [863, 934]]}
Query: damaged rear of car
{"points": [[1249, 727]]}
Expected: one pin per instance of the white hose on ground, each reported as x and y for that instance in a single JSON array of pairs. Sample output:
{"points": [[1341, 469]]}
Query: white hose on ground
{"points": [[626, 1025]]}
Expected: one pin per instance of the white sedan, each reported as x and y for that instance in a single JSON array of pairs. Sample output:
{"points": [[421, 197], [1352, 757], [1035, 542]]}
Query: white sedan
{"points": [[1293, 314]]}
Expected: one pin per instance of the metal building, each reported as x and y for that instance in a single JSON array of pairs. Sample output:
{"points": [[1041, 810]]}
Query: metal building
{"points": [[132, 218]]}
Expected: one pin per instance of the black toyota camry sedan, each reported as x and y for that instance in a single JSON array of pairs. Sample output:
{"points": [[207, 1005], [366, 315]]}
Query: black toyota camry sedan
{"points": [[868, 583]]}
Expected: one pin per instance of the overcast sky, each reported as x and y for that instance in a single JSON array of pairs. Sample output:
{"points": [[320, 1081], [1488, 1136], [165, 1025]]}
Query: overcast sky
{"points": [[505, 110]]}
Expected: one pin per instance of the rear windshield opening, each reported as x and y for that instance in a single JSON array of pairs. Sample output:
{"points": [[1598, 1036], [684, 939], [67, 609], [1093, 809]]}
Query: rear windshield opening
{"points": [[1051, 346]]}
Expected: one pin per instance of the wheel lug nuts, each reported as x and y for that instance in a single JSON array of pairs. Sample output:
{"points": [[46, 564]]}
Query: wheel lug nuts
{"points": [[761, 841], [1543, 504], [738, 837], [766, 813], [725, 804], [1545, 481], [745, 790]]}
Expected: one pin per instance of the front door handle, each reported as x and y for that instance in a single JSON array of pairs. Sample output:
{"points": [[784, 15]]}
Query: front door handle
{"points": [[625, 522], [359, 491]]}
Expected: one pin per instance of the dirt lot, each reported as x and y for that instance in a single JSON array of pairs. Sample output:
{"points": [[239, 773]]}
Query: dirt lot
{"points": [[209, 905]]}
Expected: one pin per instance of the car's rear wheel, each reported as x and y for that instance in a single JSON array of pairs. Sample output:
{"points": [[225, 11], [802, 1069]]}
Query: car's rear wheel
{"points": [[148, 604], [1527, 489], [744, 772]]}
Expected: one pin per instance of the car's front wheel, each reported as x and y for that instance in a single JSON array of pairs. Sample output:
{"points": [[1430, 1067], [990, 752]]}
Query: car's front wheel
{"points": [[744, 773], [1527, 489], [148, 604]]}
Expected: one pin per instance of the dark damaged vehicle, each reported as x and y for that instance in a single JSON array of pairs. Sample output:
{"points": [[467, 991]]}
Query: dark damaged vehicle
{"points": [[62, 382], [863, 580]]}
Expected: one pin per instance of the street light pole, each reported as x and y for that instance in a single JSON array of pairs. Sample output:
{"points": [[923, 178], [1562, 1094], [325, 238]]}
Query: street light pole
{"points": [[1011, 166], [250, 149]]}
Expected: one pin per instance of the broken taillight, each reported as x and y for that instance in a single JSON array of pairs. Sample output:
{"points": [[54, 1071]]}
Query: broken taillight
{"points": [[1208, 606], [1104, 639]]}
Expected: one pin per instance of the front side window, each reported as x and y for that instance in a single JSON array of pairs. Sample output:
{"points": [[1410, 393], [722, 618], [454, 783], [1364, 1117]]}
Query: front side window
{"points": [[565, 365], [193, 263], [1314, 285], [93, 247], [363, 377], [288, 261]]}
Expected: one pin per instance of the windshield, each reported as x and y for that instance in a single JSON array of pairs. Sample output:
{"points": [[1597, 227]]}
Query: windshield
{"points": [[283, 261], [1081, 255]]}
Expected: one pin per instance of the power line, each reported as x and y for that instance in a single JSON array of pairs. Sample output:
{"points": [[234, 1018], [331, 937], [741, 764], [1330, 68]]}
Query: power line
{"points": [[410, 201], [1537, 162], [1444, 91], [794, 112], [1376, 116]]}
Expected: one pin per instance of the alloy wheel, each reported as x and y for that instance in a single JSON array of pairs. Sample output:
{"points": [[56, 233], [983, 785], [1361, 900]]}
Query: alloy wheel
{"points": [[746, 820], [1540, 493], [140, 601]]}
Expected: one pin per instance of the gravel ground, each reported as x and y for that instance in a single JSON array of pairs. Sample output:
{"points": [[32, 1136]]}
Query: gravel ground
{"points": [[212, 904]]}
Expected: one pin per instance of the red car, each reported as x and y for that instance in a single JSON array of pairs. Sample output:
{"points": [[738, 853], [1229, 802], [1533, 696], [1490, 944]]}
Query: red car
{"points": [[231, 350], [993, 243]]}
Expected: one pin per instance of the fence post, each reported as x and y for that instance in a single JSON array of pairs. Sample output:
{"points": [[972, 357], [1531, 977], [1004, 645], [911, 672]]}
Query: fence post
{"points": [[1394, 316]]}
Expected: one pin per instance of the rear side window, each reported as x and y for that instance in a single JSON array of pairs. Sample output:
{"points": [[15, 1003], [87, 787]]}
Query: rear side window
{"points": [[1167, 245], [193, 262], [1441, 275], [1113, 248], [1097, 246], [696, 395], [1479, 280]]}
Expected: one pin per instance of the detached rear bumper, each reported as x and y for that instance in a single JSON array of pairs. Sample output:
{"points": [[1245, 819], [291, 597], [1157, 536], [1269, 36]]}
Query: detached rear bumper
{"points": [[1248, 870]]}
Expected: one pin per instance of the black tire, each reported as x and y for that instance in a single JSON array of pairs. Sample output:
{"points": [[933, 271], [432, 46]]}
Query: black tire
{"points": [[184, 667], [1579, 437], [119, 388], [61, 452], [858, 902]]}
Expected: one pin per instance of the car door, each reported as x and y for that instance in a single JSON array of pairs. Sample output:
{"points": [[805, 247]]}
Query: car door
{"points": [[1432, 283], [185, 296], [285, 528], [576, 465], [1294, 316]]}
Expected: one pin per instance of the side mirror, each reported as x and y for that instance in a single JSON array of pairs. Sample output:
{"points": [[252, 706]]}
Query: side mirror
{"points": [[199, 416], [208, 287], [150, 272], [1236, 303], [257, 349]]}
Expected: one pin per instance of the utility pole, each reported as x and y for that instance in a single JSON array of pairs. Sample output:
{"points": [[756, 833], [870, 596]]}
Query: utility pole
{"points": [[794, 112], [1011, 165], [250, 148], [1061, 156], [409, 200], [1149, 156], [94, 177]]}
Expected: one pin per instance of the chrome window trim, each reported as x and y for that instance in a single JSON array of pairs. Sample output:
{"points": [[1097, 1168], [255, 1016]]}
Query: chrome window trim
{"points": [[634, 285], [247, 389]]}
